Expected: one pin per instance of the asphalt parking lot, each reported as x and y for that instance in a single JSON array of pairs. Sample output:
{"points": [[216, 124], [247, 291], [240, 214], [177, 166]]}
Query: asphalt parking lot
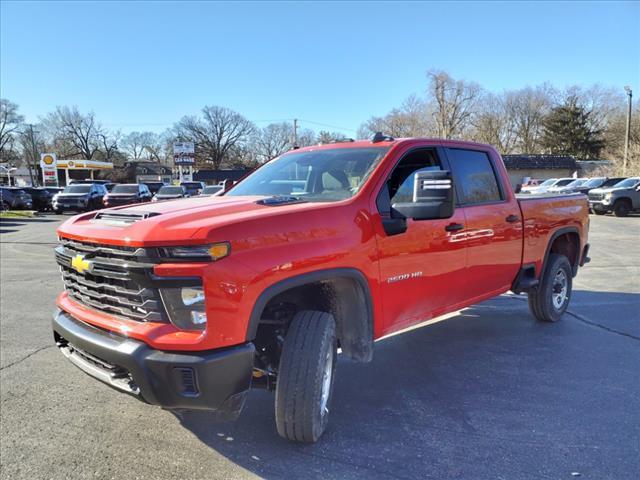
{"points": [[488, 394]]}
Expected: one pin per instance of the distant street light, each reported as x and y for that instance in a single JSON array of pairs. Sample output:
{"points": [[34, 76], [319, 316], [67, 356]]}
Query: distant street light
{"points": [[8, 170], [627, 89]]}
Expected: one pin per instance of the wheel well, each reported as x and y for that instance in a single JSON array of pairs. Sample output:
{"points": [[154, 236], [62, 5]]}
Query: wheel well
{"points": [[568, 244], [623, 199], [343, 297]]}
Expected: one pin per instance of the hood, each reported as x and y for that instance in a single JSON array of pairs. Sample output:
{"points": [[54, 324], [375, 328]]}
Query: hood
{"points": [[173, 222], [122, 195], [610, 189], [168, 195]]}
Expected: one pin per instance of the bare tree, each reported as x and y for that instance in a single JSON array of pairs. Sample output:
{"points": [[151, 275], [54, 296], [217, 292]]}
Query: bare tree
{"points": [[454, 103], [272, 141], [494, 123], [528, 107], [410, 120], [74, 134], [10, 121], [216, 134], [143, 146], [325, 136]]}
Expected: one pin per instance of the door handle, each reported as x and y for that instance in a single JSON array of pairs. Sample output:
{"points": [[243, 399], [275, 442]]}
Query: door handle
{"points": [[454, 227], [512, 219]]}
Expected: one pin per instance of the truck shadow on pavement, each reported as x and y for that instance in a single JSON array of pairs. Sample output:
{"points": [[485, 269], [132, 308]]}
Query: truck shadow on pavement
{"points": [[488, 392]]}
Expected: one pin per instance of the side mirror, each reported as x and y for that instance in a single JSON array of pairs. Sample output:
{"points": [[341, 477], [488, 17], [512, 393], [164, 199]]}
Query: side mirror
{"points": [[518, 188], [433, 197]]}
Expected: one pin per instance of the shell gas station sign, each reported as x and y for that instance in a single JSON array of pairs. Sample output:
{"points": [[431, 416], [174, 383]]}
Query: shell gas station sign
{"points": [[49, 166]]}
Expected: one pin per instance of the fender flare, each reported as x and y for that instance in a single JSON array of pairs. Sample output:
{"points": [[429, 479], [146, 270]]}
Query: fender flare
{"points": [[356, 335], [553, 238]]}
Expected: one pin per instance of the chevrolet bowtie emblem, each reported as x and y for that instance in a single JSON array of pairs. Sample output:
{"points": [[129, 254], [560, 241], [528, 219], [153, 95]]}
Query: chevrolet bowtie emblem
{"points": [[80, 265]]}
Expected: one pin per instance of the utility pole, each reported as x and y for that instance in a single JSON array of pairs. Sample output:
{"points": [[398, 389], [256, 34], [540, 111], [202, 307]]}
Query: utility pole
{"points": [[295, 133], [34, 152], [627, 88]]}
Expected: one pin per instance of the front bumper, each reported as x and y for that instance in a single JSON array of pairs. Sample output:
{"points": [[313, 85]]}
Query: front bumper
{"points": [[600, 205], [206, 380]]}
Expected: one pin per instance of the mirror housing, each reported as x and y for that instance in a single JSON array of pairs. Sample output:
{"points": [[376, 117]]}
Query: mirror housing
{"points": [[433, 197]]}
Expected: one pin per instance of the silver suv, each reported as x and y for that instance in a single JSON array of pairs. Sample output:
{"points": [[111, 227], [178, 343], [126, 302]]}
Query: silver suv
{"points": [[621, 199]]}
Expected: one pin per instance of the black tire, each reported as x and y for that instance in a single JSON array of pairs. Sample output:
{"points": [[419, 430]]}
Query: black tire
{"points": [[57, 211], [309, 347], [621, 208], [552, 296], [599, 212]]}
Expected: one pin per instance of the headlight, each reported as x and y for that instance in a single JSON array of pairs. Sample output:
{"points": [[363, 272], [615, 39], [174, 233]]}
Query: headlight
{"points": [[213, 252], [608, 196], [185, 307]]}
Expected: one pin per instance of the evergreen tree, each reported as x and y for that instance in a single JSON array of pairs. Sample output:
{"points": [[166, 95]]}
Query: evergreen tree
{"points": [[568, 130]]}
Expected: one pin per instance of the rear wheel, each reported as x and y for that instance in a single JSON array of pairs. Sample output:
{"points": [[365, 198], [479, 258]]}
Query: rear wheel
{"points": [[305, 376], [551, 298], [621, 208]]}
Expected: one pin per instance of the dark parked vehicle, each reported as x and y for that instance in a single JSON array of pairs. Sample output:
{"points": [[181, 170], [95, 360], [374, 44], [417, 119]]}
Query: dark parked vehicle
{"points": [[171, 192], [127, 193], [21, 199], [154, 186], [87, 181], [7, 199], [79, 197], [211, 190], [194, 188], [41, 197]]}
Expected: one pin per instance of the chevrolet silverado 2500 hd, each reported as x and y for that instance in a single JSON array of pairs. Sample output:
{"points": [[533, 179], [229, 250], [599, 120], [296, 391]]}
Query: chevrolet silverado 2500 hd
{"points": [[187, 304]]}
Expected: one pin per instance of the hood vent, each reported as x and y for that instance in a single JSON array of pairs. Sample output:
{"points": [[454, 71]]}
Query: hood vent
{"points": [[280, 200], [122, 219]]}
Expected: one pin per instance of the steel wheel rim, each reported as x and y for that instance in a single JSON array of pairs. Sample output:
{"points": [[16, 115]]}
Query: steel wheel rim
{"points": [[560, 289], [326, 382]]}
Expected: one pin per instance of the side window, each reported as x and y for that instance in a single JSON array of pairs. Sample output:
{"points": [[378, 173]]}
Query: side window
{"points": [[475, 177], [400, 182]]}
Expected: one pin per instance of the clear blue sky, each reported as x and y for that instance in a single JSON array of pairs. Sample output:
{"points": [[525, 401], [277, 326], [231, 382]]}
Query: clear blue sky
{"points": [[142, 66]]}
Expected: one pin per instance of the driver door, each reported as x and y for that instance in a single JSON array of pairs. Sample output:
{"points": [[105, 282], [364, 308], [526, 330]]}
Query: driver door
{"points": [[422, 270]]}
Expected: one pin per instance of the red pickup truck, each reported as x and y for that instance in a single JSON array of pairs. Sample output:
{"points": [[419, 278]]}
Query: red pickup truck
{"points": [[187, 304]]}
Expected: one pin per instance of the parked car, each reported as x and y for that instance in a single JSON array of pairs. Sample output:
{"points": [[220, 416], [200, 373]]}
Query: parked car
{"points": [[530, 185], [7, 199], [22, 200], [569, 187], [194, 188], [154, 186], [171, 192], [126, 193], [79, 197], [598, 182], [109, 186], [88, 181], [212, 191], [261, 289], [42, 198], [621, 199], [547, 185]]}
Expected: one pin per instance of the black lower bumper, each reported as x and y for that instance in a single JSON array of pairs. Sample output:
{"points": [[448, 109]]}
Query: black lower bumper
{"points": [[209, 380]]}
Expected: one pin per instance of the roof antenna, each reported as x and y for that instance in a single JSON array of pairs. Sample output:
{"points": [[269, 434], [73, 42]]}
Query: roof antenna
{"points": [[381, 137]]}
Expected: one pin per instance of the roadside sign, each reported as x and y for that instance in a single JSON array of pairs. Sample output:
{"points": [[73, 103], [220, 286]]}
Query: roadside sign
{"points": [[184, 153], [49, 166]]}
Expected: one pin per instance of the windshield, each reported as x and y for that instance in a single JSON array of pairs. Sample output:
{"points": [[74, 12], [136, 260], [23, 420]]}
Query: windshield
{"points": [[317, 175], [562, 183], [170, 191], [549, 182], [214, 189], [125, 189], [77, 189], [595, 182], [577, 183], [629, 182]]}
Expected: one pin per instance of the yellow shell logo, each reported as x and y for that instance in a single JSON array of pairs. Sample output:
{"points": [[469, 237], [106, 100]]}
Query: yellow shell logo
{"points": [[48, 160]]}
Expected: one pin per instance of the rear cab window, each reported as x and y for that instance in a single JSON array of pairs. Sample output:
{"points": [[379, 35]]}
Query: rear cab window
{"points": [[475, 177]]}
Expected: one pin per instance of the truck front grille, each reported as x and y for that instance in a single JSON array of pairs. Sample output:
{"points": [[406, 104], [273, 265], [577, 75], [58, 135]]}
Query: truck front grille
{"points": [[111, 279], [596, 196]]}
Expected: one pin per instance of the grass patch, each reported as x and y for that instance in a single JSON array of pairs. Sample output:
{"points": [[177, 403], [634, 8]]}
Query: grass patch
{"points": [[17, 214]]}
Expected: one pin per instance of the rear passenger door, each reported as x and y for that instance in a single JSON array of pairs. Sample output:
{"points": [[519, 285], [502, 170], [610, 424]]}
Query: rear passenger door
{"points": [[493, 224]]}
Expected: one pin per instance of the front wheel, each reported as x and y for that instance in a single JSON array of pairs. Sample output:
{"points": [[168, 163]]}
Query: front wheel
{"points": [[551, 298], [305, 376], [621, 208], [599, 212]]}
